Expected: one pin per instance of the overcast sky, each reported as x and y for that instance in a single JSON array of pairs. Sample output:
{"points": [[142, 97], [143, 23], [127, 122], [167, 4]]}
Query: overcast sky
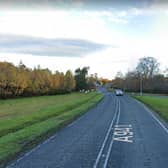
{"points": [[109, 36]]}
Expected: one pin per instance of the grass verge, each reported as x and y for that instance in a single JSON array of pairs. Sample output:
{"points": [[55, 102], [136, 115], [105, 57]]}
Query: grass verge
{"points": [[22, 139], [158, 104], [20, 113]]}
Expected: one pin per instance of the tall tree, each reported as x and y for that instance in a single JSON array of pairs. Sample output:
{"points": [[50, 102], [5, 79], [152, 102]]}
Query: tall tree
{"points": [[69, 81], [81, 78], [148, 67]]}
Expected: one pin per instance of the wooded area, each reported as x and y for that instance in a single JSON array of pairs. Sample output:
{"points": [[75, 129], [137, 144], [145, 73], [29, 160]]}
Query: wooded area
{"points": [[22, 81], [146, 76]]}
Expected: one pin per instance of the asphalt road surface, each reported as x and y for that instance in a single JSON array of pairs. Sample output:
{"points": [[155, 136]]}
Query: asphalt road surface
{"points": [[118, 133]]}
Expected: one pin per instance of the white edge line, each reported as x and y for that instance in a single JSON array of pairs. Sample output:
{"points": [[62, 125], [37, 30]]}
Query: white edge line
{"points": [[111, 144], [105, 139], [38, 146], [151, 113], [30, 152], [44, 142]]}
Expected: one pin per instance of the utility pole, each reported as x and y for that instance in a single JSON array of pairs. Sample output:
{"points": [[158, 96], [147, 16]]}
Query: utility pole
{"points": [[141, 87]]}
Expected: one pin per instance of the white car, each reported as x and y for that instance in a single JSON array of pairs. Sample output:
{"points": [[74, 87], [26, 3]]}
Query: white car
{"points": [[119, 92]]}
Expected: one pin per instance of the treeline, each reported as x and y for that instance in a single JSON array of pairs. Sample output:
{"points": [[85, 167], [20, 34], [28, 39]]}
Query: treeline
{"points": [[22, 81], [145, 77]]}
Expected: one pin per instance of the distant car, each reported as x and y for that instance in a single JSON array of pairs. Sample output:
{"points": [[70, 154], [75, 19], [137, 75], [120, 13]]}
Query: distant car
{"points": [[119, 92]]}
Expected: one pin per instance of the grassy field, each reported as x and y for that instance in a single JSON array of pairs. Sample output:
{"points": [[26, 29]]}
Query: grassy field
{"points": [[158, 104], [27, 121]]}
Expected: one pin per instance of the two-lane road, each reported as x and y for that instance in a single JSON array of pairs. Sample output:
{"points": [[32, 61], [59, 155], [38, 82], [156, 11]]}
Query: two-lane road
{"points": [[118, 133]]}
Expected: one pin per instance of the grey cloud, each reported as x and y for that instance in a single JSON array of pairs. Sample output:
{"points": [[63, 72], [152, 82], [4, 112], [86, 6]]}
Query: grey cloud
{"points": [[48, 47], [89, 4]]}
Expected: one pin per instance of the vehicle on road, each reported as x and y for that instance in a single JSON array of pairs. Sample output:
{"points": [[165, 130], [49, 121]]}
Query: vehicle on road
{"points": [[119, 92]]}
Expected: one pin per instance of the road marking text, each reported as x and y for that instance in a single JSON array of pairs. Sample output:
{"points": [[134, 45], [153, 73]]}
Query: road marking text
{"points": [[123, 133]]}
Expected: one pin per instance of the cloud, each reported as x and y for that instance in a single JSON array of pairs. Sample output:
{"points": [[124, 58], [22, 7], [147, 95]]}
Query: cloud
{"points": [[48, 47], [87, 4], [111, 15], [118, 20]]}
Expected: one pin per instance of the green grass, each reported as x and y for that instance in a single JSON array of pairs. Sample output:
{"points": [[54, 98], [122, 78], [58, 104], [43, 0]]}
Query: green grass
{"points": [[26, 122], [160, 105]]}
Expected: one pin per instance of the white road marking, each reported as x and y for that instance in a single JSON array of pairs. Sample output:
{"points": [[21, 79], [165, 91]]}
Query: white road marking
{"points": [[43, 143], [31, 151], [106, 137], [154, 117], [123, 133], [46, 141], [123, 125], [111, 144], [74, 122], [124, 139]]}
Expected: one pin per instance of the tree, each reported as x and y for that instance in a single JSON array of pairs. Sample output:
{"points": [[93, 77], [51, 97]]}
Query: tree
{"points": [[81, 78], [92, 80], [21, 79], [147, 67], [119, 75], [119, 80], [69, 81], [132, 82], [7, 79]]}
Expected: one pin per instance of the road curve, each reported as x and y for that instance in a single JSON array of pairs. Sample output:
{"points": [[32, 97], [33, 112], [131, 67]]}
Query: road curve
{"points": [[118, 133]]}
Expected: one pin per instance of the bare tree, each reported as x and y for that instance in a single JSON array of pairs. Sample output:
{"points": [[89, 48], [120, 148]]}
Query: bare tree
{"points": [[148, 67]]}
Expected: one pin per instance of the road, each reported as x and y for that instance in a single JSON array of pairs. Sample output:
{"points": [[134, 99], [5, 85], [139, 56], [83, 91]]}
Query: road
{"points": [[118, 133]]}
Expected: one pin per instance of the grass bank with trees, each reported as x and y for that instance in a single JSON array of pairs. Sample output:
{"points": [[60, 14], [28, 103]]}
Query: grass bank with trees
{"points": [[158, 104], [26, 122]]}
